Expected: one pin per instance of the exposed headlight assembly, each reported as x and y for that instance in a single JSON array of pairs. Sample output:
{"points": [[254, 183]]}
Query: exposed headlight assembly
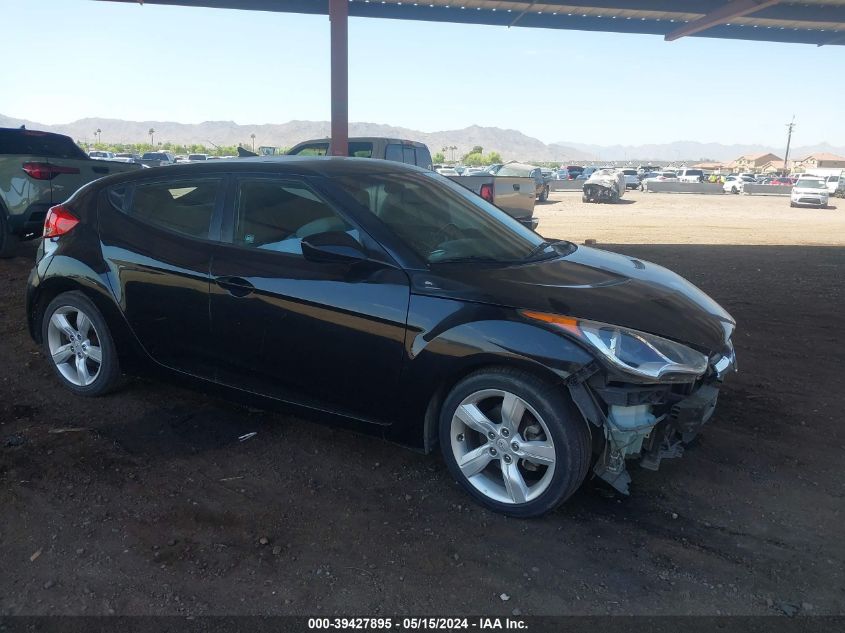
{"points": [[646, 356]]}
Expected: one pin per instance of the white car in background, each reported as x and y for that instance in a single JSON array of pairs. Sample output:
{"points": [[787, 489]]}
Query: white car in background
{"points": [[735, 184], [101, 155], [632, 180], [809, 191], [663, 176], [833, 182], [447, 171], [691, 175]]}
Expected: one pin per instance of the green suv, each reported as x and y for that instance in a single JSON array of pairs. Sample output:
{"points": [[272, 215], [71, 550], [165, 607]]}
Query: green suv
{"points": [[38, 170]]}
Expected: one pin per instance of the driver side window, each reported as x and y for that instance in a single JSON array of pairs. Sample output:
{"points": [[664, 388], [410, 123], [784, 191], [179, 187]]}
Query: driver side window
{"points": [[277, 215]]}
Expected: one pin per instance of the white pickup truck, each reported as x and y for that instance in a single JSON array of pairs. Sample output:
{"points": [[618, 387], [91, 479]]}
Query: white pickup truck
{"points": [[515, 195]]}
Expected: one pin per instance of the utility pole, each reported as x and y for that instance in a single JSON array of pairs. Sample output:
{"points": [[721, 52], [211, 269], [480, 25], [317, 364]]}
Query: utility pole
{"points": [[789, 126]]}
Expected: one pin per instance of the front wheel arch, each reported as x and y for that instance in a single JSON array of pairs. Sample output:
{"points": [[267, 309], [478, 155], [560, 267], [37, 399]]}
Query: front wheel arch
{"points": [[435, 403], [563, 422]]}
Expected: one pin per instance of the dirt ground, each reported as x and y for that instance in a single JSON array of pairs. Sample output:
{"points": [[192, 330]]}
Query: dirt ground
{"points": [[145, 502], [663, 218]]}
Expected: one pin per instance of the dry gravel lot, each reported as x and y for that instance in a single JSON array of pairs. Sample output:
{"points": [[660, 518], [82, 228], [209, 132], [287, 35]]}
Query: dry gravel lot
{"points": [[662, 218], [144, 502]]}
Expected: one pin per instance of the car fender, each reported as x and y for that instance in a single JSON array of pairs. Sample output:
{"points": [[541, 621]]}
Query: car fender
{"points": [[58, 274], [448, 340]]}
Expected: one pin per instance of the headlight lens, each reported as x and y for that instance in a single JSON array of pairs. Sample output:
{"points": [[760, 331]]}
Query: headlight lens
{"points": [[644, 355]]}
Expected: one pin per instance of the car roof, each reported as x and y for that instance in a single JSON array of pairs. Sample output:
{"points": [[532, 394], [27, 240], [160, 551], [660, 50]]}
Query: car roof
{"points": [[328, 166], [364, 139]]}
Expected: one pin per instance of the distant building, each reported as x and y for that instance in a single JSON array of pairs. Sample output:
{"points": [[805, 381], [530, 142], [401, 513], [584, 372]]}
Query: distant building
{"points": [[710, 166], [777, 167], [754, 162], [820, 160]]}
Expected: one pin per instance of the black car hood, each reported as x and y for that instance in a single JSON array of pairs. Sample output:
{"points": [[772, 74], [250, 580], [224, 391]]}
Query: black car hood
{"points": [[592, 284]]}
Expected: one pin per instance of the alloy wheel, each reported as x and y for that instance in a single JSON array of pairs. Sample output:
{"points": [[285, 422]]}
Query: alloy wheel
{"points": [[502, 446], [74, 346]]}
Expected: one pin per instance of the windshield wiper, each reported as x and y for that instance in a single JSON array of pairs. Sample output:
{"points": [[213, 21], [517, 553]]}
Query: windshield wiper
{"points": [[537, 250]]}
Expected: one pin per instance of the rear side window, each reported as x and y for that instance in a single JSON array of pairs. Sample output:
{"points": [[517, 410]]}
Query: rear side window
{"points": [[276, 215], [423, 158], [181, 206], [36, 143], [393, 152]]}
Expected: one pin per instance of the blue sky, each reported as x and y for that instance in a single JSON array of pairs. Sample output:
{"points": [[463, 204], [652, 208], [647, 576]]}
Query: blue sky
{"points": [[79, 58]]}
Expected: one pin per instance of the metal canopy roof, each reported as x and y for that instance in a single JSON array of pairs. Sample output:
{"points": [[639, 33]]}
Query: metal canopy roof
{"points": [[820, 22]]}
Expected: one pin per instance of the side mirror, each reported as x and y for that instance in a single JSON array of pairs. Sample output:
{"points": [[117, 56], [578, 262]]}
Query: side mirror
{"points": [[332, 246]]}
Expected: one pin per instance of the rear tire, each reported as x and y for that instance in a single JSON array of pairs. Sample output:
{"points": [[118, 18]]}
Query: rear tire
{"points": [[79, 346], [8, 241], [522, 446], [544, 195]]}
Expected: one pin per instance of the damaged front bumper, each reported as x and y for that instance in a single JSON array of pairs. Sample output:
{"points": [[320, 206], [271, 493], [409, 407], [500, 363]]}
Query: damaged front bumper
{"points": [[647, 423]]}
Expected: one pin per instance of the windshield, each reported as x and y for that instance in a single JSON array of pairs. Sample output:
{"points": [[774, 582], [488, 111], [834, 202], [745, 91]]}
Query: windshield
{"points": [[154, 156], [629, 172], [442, 221], [196, 156], [810, 184]]}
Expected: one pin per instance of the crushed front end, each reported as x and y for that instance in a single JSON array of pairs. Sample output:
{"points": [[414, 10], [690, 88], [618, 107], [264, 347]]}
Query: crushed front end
{"points": [[645, 422]]}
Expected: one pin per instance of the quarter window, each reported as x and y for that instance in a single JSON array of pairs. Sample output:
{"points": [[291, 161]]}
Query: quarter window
{"points": [[277, 215], [183, 206]]}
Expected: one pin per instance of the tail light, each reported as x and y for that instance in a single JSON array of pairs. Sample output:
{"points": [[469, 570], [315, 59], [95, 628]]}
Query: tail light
{"points": [[47, 171], [59, 221], [487, 192]]}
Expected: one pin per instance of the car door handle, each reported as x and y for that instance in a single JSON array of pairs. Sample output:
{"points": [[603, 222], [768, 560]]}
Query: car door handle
{"points": [[516, 187], [100, 170], [236, 286]]}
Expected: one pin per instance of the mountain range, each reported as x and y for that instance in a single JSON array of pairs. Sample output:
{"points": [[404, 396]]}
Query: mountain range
{"points": [[511, 144]]}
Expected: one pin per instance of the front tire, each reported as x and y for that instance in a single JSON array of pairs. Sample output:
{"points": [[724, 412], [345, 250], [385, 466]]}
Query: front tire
{"points": [[79, 345], [516, 444]]}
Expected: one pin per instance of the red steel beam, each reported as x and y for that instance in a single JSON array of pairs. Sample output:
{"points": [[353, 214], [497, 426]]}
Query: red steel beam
{"points": [[734, 9], [339, 18]]}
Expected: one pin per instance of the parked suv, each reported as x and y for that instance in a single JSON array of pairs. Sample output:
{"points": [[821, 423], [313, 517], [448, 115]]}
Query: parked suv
{"points": [[691, 175], [408, 152], [38, 170], [391, 298]]}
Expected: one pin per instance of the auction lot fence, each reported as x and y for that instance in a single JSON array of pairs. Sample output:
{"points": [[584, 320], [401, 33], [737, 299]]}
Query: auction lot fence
{"points": [[567, 185], [769, 190], [684, 187]]}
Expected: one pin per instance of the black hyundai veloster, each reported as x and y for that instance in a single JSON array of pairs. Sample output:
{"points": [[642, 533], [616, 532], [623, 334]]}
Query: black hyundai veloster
{"points": [[393, 299]]}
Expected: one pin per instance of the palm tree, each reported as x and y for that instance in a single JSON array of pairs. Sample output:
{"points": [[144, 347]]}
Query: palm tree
{"points": [[152, 132], [98, 134], [252, 136]]}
